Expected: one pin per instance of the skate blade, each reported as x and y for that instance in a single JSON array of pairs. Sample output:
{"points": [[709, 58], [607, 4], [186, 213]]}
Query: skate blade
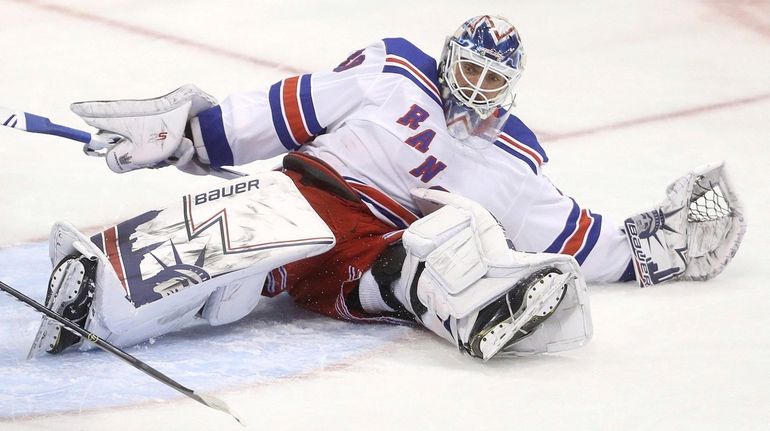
{"points": [[46, 338], [50, 330], [543, 302]]}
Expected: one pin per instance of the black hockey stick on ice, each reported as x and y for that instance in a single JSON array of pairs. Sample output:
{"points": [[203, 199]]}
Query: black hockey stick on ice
{"points": [[32, 123], [206, 400]]}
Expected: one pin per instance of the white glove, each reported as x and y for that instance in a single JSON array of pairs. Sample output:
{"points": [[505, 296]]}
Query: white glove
{"points": [[151, 130], [693, 234]]}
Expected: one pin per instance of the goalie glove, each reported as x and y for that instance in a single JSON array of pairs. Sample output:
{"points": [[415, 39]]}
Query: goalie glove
{"points": [[149, 133], [693, 234]]}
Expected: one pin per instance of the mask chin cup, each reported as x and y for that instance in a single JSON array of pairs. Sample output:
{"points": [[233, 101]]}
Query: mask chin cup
{"points": [[465, 124]]}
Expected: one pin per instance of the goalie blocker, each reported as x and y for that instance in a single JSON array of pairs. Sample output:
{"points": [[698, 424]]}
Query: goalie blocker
{"points": [[206, 259]]}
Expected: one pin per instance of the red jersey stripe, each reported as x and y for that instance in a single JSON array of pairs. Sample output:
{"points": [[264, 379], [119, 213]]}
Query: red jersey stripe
{"points": [[292, 111], [576, 241], [519, 146], [416, 72]]}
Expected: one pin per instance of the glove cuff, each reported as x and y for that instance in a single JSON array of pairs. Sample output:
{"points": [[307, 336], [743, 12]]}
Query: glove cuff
{"points": [[193, 132]]}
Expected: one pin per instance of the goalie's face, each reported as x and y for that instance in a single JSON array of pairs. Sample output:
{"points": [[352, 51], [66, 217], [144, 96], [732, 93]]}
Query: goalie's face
{"points": [[478, 84], [475, 90], [481, 63]]}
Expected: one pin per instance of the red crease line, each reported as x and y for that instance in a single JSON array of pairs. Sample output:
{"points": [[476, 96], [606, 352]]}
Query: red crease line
{"points": [[113, 24], [553, 137]]}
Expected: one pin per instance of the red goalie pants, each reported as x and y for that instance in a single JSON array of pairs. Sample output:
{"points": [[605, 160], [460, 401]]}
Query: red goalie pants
{"points": [[328, 283]]}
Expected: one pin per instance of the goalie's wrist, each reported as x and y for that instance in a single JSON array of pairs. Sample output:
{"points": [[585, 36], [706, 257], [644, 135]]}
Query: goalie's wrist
{"points": [[193, 133]]}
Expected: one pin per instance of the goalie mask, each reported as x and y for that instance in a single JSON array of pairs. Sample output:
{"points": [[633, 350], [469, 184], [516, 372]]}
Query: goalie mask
{"points": [[480, 65]]}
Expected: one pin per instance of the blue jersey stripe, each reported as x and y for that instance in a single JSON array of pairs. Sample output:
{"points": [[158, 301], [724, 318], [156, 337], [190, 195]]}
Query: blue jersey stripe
{"points": [[308, 108], [214, 137], [569, 228], [421, 61], [274, 96], [518, 155], [382, 210], [411, 77], [390, 216], [516, 129], [413, 55], [593, 237]]}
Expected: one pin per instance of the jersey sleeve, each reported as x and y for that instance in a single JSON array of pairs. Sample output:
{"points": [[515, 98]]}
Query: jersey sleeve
{"points": [[255, 125], [519, 141], [596, 242], [550, 221], [546, 220]]}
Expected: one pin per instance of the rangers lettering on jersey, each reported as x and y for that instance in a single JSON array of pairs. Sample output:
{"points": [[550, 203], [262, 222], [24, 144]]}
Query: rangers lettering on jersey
{"points": [[413, 117], [428, 169], [421, 142]]}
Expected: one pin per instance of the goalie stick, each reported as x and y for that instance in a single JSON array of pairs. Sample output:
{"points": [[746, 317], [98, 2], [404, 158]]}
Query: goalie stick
{"points": [[91, 143], [36, 124], [207, 400]]}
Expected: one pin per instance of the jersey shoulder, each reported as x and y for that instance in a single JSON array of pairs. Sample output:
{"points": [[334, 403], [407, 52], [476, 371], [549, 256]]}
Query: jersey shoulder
{"points": [[519, 141], [402, 57]]}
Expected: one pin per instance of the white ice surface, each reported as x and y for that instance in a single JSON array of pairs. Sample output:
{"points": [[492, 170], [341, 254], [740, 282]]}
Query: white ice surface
{"points": [[625, 96]]}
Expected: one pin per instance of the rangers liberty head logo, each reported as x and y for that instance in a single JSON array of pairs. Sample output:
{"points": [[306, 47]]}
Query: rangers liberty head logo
{"points": [[172, 274], [179, 275]]}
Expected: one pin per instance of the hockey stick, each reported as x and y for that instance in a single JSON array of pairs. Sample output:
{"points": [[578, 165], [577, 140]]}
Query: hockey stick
{"points": [[36, 124], [206, 400]]}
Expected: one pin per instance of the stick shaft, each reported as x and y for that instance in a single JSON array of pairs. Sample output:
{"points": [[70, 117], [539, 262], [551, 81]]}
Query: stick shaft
{"points": [[37, 124], [67, 324]]}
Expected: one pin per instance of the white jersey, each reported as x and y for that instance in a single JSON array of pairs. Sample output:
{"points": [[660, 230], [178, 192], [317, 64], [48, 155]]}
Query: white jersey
{"points": [[377, 119]]}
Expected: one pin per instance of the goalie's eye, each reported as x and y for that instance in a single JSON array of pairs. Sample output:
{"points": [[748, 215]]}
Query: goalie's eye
{"points": [[494, 78], [471, 69]]}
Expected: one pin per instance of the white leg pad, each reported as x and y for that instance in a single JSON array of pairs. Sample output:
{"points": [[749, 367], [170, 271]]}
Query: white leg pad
{"points": [[469, 270], [568, 328], [202, 259], [231, 302]]}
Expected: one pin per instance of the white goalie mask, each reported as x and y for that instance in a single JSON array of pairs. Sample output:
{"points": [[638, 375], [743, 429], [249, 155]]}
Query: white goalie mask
{"points": [[480, 65]]}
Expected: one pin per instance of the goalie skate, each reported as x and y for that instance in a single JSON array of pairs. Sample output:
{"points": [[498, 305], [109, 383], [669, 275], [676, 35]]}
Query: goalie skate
{"points": [[519, 312], [70, 293]]}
